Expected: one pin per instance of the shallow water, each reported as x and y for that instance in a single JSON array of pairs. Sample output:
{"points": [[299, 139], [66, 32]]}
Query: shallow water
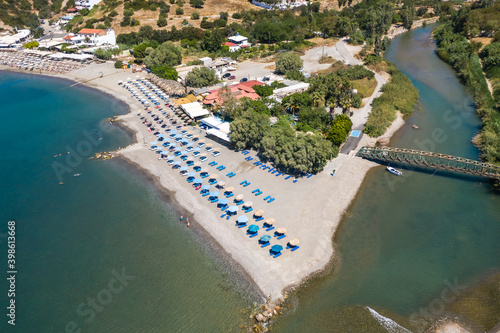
{"points": [[408, 241], [75, 239]]}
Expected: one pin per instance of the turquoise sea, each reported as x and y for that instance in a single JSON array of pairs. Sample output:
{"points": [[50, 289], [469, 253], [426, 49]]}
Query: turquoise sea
{"points": [[104, 251]]}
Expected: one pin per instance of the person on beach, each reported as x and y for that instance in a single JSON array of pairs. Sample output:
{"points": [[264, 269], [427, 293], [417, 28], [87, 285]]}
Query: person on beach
{"points": [[182, 217], [187, 222]]}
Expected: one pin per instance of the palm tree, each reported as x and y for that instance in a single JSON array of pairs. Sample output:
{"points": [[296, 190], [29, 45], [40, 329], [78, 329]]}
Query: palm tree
{"points": [[318, 98], [345, 102]]}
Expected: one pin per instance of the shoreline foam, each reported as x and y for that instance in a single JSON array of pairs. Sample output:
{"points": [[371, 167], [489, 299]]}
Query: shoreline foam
{"points": [[310, 209]]}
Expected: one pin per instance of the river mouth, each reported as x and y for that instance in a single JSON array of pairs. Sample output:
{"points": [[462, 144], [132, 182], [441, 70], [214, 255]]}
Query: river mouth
{"points": [[406, 241]]}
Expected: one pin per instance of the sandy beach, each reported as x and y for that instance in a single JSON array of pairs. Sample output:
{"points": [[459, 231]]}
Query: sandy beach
{"points": [[310, 209]]}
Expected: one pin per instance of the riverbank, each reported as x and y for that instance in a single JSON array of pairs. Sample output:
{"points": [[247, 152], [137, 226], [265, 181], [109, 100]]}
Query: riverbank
{"points": [[310, 209]]}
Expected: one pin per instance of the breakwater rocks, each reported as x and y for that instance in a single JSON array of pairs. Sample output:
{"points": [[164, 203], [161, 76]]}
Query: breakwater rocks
{"points": [[106, 155], [263, 315]]}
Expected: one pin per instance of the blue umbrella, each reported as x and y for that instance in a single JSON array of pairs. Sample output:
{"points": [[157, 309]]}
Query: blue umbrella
{"points": [[198, 180], [191, 174], [177, 162], [196, 149], [173, 132], [153, 143], [253, 228], [190, 144], [177, 136], [233, 209], [184, 140], [223, 201], [184, 152], [214, 194], [184, 168], [265, 238], [178, 148], [241, 218], [164, 152], [205, 187], [276, 248], [170, 158], [161, 135]]}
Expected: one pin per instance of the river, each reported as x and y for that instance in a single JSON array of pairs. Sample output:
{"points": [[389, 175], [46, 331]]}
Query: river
{"points": [[410, 246]]}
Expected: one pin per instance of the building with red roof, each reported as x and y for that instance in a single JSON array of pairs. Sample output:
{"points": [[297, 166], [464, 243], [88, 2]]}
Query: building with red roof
{"points": [[238, 91]]}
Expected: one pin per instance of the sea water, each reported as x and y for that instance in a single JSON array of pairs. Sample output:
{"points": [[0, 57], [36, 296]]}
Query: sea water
{"points": [[98, 249], [410, 245]]}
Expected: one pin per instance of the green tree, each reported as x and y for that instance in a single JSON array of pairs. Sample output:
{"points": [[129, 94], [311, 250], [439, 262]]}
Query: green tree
{"points": [[248, 129], [167, 54], [408, 14], [341, 126], [164, 72], [201, 77], [179, 11], [161, 22], [212, 41], [288, 62], [195, 16], [118, 64], [197, 3], [264, 90]]}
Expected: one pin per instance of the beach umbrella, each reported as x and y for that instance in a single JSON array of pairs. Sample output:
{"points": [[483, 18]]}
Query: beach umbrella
{"points": [[294, 242], [269, 221], [209, 145], [223, 202], [214, 194], [222, 184], [177, 162], [189, 143], [197, 164], [259, 213], [230, 189], [173, 132], [242, 219], [184, 168], [253, 228], [205, 187], [248, 204], [184, 140], [191, 174], [184, 152], [164, 153], [276, 248], [232, 209], [178, 149], [153, 143], [213, 176], [161, 135], [265, 238], [170, 158], [198, 181], [203, 154], [239, 197], [281, 231], [178, 136]]}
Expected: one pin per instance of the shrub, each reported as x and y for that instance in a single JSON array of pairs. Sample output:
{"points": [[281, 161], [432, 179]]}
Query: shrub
{"points": [[162, 21], [288, 62], [195, 16], [118, 64], [179, 11]]}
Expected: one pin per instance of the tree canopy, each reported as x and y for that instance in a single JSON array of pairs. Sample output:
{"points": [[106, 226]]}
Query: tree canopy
{"points": [[288, 62], [201, 77], [167, 54]]}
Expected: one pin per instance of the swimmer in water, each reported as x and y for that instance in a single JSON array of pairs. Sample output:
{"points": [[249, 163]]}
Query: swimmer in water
{"points": [[187, 222], [182, 217]]}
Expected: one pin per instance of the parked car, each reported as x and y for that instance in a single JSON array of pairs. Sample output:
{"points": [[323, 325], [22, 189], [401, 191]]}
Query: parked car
{"points": [[244, 79], [232, 77], [225, 76]]}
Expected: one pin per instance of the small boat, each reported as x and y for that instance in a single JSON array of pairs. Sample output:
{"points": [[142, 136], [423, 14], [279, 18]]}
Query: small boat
{"points": [[414, 127], [76, 174], [394, 171]]}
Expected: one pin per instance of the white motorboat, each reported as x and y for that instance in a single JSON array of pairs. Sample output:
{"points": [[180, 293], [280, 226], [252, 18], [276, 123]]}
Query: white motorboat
{"points": [[394, 171]]}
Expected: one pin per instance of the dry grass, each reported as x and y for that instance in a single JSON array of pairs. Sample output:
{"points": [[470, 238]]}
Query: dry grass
{"points": [[365, 86], [483, 40]]}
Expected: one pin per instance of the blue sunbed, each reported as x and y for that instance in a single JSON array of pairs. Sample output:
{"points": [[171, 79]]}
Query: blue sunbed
{"points": [[215, 200], [250, 158], [259, 193], [277, 255], [266, 244], [271, 200], [249, 210], [204, 176], [309, 175], [222, 168], [223, 215], [205, 194], [256, 190], [232, 175], [229, 173], [279, 174], [271, 170], [243, 182], [239, 203], [229, 195], [281, 237], [256, 162], [287, 177], [267, 198], [259, 219], [190, 180], [253, 235], [270, 228], [245, 185], [295, 180], [242, 225], [295, 248]]}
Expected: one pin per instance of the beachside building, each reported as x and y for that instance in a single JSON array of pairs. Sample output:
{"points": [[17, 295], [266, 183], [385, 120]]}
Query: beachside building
{"points": [[92, 37], [194, 110], [232, 47], [237, 42], [216, 128], [240, 90], [88, 4], [15, 40]]}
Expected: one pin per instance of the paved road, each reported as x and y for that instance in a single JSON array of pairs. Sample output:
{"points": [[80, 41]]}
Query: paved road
{"points": [[345, 54]]}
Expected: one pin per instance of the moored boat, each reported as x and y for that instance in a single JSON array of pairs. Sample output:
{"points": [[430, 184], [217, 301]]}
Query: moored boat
{"points": [[394, 171]]}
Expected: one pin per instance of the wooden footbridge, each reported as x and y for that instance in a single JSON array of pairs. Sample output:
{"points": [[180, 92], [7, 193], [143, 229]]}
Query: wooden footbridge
{"points": [[425, 159]]}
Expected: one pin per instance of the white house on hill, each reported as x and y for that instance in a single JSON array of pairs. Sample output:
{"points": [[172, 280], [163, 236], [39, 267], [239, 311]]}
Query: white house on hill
{"points": [[93, 37], [86, 4]]}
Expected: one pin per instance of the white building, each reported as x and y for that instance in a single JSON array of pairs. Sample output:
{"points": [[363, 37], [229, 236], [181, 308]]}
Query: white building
{"points": [[92, 37], [86, 4], [239, 40], [15, 40]]}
